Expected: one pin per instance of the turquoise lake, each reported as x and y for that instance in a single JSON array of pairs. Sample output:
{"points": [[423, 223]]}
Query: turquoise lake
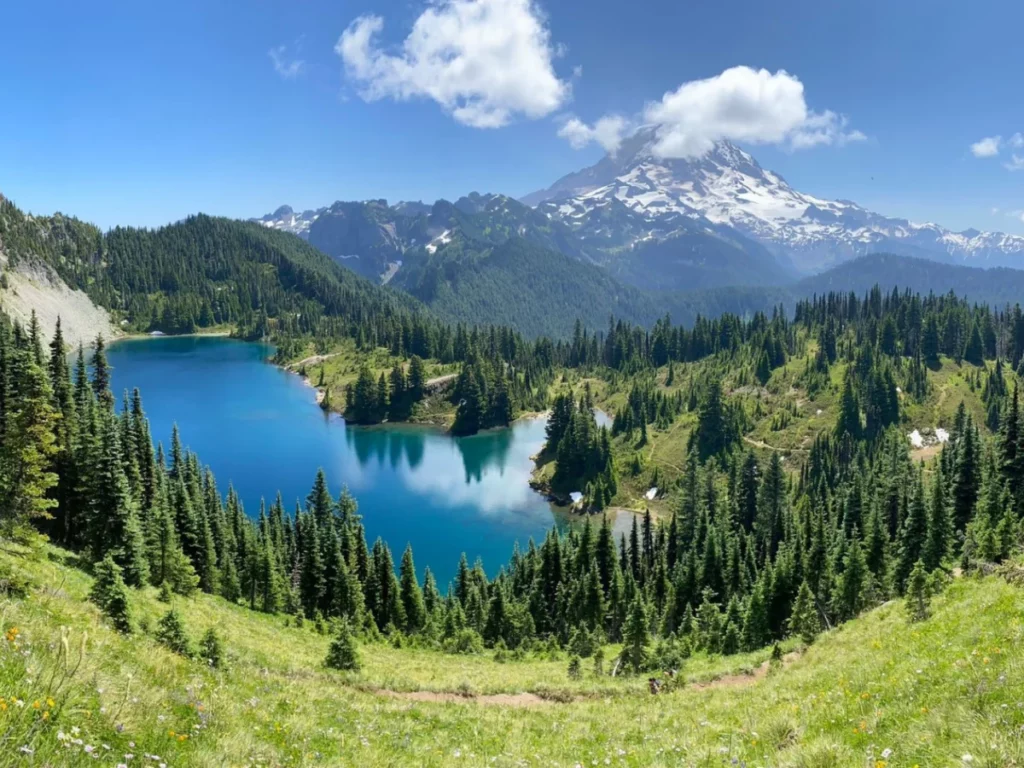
{"points": [[260, 429]]}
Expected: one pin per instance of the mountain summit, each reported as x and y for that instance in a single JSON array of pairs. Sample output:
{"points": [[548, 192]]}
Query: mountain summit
{"points": [[727, 187]]}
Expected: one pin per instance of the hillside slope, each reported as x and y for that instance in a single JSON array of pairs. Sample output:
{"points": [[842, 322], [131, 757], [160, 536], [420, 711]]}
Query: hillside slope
{"points": [[878, 691], [199, 272], [543, 292], [33, 252], [995, 286], [32, 286]]}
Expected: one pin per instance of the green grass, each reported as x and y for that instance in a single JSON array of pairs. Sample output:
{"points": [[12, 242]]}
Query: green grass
{"points": [[930, 692], [783, 416]]}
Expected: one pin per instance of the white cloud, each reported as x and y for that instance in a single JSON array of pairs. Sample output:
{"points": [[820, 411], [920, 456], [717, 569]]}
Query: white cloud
{"points": [[824, 129], [286, 66], [1017, 140], [609, 131], [483, 61], [987, 147], [1016, 163], [742, 104]]}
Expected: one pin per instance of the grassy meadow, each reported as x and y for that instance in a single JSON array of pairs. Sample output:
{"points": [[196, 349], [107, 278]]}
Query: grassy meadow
{"points": [[877, 692]]}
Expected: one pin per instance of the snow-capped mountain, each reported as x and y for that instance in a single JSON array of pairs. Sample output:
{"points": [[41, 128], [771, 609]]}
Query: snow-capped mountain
{"points": [[287, 220], [675, 253], [728, 188]]}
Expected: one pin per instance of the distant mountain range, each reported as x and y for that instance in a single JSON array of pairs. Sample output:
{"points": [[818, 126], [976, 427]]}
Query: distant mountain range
{"points": [[654, 223], [728, 188]]}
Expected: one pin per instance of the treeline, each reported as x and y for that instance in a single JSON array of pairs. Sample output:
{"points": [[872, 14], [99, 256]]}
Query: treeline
{"points": [[749, 555], [390, 397], [910, 324]]}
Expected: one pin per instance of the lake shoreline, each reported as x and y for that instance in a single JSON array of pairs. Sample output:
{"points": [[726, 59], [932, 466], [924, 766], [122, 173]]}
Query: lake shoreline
{"points": [[260, 435], [133, 336]]}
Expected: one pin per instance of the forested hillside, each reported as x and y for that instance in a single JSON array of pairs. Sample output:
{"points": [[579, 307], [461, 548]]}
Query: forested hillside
{"points": [[757, 545], [786, 498], [543, 292], [754, 545], [996, 286]]}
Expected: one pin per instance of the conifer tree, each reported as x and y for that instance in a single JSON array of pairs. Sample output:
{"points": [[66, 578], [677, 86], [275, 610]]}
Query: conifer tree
{"points": [[111, 595], [851, 589], [848, 423], [804, 621], [343, 653], [469, 414], [930, 342], [320, 503], [966, 477], [417, 378], [211, 649], [912, 536], [497, 620], [28, 448], [974, 350], [917, 593], [635, 638], [714, 433], [412, 595], [115, 527], [937, 544], [268, 581], [171, 633], [101, 374], [312, 583]]}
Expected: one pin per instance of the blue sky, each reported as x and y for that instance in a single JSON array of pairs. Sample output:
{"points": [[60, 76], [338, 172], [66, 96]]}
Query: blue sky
{"points": [[141, 113]]}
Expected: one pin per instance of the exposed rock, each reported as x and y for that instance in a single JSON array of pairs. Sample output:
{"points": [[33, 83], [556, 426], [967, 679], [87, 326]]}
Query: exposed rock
{"points": [[31, 285]]}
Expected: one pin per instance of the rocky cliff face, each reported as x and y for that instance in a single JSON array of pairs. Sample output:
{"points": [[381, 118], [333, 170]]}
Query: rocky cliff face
{"points": [[32, 286]]}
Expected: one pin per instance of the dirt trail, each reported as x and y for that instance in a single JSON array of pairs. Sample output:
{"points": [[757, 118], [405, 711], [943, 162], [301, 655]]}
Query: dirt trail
{"points": [[312, 360], [763, 445], [495, 699], [439, 381], [733, 681], [533, 700]]}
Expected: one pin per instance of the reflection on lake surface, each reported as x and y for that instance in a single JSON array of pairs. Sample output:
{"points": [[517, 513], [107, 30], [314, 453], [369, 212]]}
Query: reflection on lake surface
{"points": [[259, 428]]}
